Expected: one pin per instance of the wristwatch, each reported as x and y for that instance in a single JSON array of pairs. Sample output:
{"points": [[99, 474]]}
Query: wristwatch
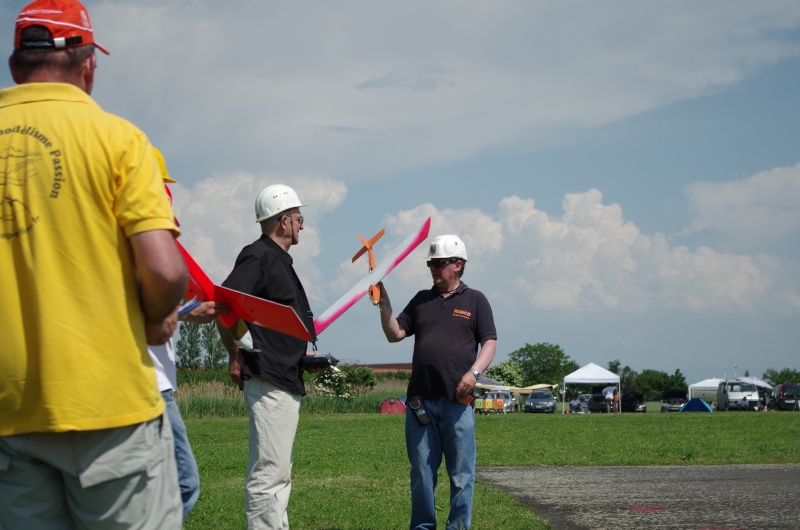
{"points": [[476, 373]]}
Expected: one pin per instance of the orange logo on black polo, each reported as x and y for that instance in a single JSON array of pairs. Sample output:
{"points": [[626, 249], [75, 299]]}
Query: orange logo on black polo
{"points": [[461, 313]]}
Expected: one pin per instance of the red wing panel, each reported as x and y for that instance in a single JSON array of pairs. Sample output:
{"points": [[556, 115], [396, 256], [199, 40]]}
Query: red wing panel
{"points": [[199, 285], [247, 307], [261, 312]]}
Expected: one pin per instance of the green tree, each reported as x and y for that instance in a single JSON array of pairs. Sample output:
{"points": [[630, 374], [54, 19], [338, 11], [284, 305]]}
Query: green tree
{"points": [[677, 380], [398, 375], [614, 366], [215, 354], [627, 376], [507, 372], [189, 350], [543, 363], [361, 378], [777, 377], [652, 384]]}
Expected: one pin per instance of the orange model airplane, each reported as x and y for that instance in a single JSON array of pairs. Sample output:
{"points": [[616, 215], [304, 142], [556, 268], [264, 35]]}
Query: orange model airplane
{"points": [[374, 292], [368, 284]]}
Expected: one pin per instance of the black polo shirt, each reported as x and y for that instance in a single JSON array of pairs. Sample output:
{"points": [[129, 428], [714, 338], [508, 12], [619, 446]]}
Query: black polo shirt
{"points": [[264, 269], [448, 332]]}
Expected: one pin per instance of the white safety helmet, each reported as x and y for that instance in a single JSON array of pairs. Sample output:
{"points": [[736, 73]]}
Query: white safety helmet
{"points": [[447, 246], [276, 199]]}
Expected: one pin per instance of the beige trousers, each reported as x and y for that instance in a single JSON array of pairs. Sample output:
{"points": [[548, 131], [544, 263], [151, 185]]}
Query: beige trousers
{"points": [[274, 414], [123, 478]]}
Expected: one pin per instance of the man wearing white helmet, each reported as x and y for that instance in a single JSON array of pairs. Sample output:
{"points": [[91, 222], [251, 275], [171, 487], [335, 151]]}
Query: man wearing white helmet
{"points": [[270, 374], [455, 342]]}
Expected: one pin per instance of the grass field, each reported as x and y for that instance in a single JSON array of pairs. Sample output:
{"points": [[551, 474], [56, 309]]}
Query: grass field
{"points": [[351, 472]]}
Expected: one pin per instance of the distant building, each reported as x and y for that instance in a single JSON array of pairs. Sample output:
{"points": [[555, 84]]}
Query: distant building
{"points": [[389, 367]]}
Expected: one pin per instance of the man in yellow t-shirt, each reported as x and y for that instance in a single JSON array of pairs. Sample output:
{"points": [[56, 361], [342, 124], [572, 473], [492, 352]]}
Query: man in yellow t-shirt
{"points": [[90, 276]]}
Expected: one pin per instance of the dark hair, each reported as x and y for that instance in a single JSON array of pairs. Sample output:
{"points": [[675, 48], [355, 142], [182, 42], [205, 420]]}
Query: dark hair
{"points": [[64, 62]]}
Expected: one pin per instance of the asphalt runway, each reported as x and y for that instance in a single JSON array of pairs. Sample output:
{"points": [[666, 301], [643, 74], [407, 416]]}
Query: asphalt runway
{"points": [[736, 497]]}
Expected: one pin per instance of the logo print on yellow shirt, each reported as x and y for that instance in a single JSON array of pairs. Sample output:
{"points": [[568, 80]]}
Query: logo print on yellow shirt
{"points": [[17, 167]]}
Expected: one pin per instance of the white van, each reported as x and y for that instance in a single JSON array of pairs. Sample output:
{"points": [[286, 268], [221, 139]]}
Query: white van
{"points": [[731, 391]]}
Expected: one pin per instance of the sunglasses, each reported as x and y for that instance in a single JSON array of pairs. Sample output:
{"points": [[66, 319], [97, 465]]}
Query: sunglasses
{"points": [[440, 263]]}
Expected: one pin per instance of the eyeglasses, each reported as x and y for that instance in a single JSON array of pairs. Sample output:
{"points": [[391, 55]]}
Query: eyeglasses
{"points": [[440, 263], [298, 219]]}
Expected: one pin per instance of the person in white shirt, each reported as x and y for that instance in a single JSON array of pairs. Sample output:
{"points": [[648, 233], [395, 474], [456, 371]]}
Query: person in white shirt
{"points": [[608, 393]]}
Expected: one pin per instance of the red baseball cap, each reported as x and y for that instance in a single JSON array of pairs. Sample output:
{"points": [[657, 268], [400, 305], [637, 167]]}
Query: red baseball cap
{"points": [[67, 21]]}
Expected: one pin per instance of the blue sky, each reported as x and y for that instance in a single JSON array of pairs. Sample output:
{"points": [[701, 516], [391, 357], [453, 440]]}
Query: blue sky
{"points": [[625, 174]]}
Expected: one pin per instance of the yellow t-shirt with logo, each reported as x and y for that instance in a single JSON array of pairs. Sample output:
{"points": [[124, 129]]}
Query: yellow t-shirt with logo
{"points": [[77, 182]]}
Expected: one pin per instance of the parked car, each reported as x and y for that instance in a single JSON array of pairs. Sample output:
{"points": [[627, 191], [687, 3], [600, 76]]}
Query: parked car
{"points": [[597, 402], [540, 401], [785, 397], [633, 403], [510, 401], [673, 400], [730, 392]]}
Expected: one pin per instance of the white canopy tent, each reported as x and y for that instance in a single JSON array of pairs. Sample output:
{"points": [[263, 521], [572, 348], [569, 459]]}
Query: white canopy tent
{"points": [[591, 373], [760, 383], [705, 389], [487, 383], [517, 389]]}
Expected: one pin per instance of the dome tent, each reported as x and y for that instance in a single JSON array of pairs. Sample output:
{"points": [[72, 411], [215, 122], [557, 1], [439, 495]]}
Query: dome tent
{"points": [[696, 405], [393, 406]]}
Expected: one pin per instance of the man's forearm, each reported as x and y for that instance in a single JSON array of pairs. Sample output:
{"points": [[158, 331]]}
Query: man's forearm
{"points": [[162, 273], [485, 356], [226, 335], [391, 328]]}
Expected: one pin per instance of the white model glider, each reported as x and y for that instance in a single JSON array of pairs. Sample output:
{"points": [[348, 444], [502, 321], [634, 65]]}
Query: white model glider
{"points": [[376, 274]]}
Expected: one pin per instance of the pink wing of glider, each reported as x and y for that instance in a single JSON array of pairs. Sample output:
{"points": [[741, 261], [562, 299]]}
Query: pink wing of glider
{"points": [[243, 306], [377, 274]]}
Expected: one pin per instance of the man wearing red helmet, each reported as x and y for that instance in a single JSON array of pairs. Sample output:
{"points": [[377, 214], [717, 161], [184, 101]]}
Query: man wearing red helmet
{"points": [[91, 275]]}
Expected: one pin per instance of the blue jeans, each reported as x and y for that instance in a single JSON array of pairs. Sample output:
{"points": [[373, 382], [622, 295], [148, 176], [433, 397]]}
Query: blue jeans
{"points": [[451, 432], [188, 474]]}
